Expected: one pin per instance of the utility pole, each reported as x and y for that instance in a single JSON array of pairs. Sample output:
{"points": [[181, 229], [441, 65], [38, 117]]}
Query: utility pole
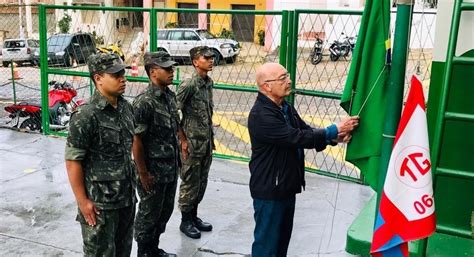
{"points": [[20, 11], [29, 23]]}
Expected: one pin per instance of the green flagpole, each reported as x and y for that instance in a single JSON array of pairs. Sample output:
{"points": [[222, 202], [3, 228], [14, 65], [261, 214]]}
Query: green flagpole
{"points": [[395, 88]]}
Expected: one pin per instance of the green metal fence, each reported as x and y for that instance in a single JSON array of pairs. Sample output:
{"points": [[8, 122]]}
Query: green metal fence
{"points": [[318, 86], [19, 78], [287, 37]]}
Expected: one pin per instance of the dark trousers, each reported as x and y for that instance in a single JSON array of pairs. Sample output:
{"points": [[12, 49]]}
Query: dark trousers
{"points": [[154, 211], [273, 227], [112, 236], [194, 174]]}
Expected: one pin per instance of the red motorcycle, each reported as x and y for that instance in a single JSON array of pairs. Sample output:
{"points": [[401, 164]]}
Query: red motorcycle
{"points": [[61, 105]]}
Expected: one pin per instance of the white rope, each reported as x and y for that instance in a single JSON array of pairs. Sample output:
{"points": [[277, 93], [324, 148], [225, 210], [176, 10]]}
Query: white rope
{"points": [[388, 36], [342, 167], [371, 90], [335, 201]]}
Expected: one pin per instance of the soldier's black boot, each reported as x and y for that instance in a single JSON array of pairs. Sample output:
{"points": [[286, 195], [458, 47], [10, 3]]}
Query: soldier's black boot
{"points": [[146, 250], [199, 224], [187, 226], [160, 252]]}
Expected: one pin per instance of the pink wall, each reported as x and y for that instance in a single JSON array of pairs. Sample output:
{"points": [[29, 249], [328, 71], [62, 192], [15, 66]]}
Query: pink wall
{"points": [[268, 26], [202, 16], [146, 23]]}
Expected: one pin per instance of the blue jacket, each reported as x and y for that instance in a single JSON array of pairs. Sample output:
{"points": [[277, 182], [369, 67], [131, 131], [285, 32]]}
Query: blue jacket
{"points": [[277, 161]]}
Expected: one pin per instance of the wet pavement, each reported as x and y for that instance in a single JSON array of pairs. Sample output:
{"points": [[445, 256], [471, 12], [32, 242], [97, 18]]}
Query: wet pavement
{"points": [[37, 207]]}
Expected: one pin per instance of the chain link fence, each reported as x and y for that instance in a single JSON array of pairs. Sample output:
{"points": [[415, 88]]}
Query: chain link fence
{"points": [[314, 53], [19, 78]]}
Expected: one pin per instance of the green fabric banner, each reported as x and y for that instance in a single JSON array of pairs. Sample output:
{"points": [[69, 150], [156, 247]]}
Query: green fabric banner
{"points": [[364, 92]]}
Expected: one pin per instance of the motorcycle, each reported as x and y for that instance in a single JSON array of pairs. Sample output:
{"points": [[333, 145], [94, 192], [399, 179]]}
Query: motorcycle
{"points": [[341, 48], [61, 105], [316, 54], [115, 48]]}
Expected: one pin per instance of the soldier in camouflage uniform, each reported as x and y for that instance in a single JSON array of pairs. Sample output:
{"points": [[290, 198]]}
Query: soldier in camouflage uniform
{"points": [[99, 161], [157, 153], [195, 102]]}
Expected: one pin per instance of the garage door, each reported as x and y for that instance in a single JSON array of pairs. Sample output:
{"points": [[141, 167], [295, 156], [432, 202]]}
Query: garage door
{"points": [[190, 20], [243, 25]]}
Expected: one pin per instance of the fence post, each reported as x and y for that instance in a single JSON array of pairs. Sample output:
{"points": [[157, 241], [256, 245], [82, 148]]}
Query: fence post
{"points": [[284, 39], [293, 49], [178, 79], [13, 82], [44, 69], [153, 26]]}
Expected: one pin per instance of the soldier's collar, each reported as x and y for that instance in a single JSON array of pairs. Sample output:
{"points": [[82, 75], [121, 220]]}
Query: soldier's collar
{"points": [[101, 102], [202, 82], [156, 91]]}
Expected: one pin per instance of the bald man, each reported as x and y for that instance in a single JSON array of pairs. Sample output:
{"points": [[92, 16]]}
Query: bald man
{"points": [[278, 136]]}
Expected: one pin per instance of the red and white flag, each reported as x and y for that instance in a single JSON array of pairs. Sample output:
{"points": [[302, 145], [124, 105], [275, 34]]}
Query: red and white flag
{"points": [[407, 206]]}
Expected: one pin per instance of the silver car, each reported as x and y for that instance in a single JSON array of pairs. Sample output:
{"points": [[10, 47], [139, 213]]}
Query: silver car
{"points": [[19, 51], [177, 42]]}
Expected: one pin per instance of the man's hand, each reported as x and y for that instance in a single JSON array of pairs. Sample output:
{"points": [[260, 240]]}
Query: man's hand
{"points": [[88, 210], [345, 127], [147, 181], [184, 149]]}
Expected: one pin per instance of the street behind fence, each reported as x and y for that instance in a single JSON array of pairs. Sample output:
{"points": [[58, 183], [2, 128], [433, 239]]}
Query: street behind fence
{"points": [[316, 89]]}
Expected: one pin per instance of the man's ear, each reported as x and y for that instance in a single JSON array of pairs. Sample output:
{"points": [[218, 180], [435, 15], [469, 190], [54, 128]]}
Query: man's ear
{"points": [[97, 78], [267, 86]]}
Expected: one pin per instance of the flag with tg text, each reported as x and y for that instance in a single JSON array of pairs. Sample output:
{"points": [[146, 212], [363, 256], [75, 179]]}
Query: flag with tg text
{"points": [[406, 209]]}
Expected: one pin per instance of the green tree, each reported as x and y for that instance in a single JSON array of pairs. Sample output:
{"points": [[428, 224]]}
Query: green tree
{"points": [[261, 37], [65, 23], [171, 25], [225, 33]]}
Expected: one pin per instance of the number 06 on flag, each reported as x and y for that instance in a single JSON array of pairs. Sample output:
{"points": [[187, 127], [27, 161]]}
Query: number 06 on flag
{"points": [[407, 206]]}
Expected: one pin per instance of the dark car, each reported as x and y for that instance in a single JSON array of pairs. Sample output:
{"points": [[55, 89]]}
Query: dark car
{"points": [[64, 49]]}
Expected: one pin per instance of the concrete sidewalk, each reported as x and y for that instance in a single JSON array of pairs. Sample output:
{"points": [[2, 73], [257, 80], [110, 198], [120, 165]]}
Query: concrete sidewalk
{"points": [[37, 207]]}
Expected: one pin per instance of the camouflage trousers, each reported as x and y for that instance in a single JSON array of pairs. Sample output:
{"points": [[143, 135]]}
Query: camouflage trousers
{"points": [[111, 236], [154, 211], [193, 174]]}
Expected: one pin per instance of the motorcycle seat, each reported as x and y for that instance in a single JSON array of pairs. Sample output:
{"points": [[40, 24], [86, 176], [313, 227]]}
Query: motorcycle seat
{"points": [[30, 104]]}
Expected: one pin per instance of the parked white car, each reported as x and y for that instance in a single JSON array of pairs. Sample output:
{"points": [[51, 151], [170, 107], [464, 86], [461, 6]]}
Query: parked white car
{"points": [[19, 50], [178, 41]]}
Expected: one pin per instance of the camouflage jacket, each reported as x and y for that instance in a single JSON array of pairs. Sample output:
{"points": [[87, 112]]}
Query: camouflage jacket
{"points": [[196, 104], [157, 122], [100, 136]]}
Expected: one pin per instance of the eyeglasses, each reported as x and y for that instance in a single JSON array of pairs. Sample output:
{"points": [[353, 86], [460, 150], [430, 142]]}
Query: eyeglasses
{"points": [[282, 78]]}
